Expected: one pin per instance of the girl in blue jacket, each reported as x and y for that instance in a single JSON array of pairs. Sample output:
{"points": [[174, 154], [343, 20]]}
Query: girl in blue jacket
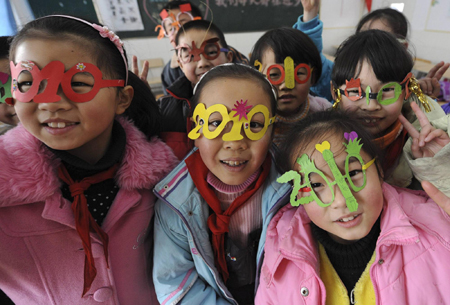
{"points": [[214, 207]]}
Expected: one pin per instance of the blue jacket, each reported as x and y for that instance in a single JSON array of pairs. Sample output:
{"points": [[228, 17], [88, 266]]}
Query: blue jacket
{"points": [[184, 270], [313, 29]]}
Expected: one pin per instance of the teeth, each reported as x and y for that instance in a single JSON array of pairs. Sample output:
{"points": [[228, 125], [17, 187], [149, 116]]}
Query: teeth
{"points": [[234, 163], [348, 218], [370, 121], [59, 124]]}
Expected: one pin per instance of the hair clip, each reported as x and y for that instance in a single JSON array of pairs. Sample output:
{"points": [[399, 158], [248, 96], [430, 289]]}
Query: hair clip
{"points": [[107, 33]]}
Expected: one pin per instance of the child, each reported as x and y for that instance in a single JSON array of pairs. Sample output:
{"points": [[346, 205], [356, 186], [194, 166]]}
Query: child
{"points": [[175, 15], [386, 19], [292, 64], [360, 242], [214, 208], [7, 114], [201, 46], [372, 78], [76, 174]]}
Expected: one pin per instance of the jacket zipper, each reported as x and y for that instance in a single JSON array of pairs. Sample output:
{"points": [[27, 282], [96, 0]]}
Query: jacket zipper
{"points": [[198, 249]]}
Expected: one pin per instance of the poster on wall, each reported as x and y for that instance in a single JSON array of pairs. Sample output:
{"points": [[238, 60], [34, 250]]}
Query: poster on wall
{"points": [[120, 15]]}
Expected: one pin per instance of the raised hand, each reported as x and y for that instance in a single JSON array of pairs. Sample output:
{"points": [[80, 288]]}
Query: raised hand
{"points": [[430, 83], [144, 73], [310, 9], [440, 198], [428, 141]]}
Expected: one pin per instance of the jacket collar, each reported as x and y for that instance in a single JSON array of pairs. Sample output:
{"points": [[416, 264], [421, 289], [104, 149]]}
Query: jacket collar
{"points": [[181, 89], [32, 169]]}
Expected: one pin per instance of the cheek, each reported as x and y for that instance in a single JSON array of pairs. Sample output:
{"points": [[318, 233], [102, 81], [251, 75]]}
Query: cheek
{"points": [[346, 104], [315, 212]]}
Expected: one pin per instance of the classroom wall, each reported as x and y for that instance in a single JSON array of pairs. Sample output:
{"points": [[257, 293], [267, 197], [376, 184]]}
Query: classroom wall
{"points": [[429, 45]]}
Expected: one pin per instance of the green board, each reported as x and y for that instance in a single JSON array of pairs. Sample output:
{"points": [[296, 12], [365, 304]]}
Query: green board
{"points": [[79, 8]]}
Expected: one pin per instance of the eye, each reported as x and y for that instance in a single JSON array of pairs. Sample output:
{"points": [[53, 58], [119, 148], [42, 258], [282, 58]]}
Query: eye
{"points": [[24, 86], [212, 125], [388, 89], [354, 173], [316, 186], [256, 126], [353, 92]]}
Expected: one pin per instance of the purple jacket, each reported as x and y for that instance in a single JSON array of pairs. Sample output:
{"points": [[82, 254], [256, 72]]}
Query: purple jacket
{"points": [[412, 264], [41, 255]]}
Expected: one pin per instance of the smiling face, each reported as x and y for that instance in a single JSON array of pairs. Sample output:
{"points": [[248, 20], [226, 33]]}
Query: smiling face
{"points": [[342, 225], [195, 69], [375, 117], [233, 162], [290, 101], [83, 129]]}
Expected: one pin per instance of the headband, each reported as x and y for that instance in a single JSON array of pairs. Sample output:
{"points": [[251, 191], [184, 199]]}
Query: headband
{"points": [[105, 33]]}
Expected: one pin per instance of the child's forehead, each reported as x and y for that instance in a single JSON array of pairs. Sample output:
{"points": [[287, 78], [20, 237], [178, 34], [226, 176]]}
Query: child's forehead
{"points": [[196, 35]]}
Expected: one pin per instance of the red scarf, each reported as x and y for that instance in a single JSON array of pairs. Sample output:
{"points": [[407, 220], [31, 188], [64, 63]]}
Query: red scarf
{"points": [[392, 144], [218, 222], [84, 221]]}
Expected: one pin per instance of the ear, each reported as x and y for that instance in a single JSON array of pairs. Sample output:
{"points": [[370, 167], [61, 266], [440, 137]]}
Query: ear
{"points": [[333, 93], [230, 56], [126, 95]]}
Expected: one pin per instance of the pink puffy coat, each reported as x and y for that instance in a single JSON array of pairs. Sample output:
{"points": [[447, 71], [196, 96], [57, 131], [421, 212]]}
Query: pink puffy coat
{"points": [[412, 264], [41, 255]]}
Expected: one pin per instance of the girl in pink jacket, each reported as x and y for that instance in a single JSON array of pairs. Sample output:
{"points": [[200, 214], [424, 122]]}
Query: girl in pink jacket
{"points": [[348, 237], [76, 175]]}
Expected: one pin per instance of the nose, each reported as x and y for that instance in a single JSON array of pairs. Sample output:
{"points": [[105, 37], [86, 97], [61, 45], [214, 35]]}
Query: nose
{"points": [[203, 62], [339, 201], [235, 144], [372, 104], [52, 105]]}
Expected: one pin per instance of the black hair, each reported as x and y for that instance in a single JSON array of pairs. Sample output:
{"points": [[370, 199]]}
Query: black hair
{"points": [[236, 71], [5, 43], [107, 57], [202, 25], [195, 11], [390, 60], [320, 126], [286, 42], [394, 19]]}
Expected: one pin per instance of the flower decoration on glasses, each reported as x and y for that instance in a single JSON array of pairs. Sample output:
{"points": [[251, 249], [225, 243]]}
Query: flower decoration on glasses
{"points": [[211, 121], [289, 74], [317, 187], [210, 49], [171, 23]]}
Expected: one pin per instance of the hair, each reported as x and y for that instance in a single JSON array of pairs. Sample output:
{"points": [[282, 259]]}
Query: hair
{"points": [[320, 126], [395, 20], [202, 25], [5, 43], [235, 71], [286, 42], [389, 59], [195, 11], [143, 109]]}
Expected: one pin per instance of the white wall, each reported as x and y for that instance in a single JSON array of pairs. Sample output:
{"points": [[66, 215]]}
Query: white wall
{"points": [[429, 45]]}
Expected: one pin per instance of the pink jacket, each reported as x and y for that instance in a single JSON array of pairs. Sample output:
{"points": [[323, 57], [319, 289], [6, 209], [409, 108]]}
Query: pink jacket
{"points": [[41, 255], [317, 103], [412, 264]]}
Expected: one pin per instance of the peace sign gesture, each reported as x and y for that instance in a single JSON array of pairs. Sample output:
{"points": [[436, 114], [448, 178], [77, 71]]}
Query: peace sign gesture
{"points": [[428, 141]]}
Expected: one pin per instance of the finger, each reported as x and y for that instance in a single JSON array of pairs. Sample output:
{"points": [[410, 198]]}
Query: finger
{"points": [[144, 73], [415, 149], [436, 87], [442, 71], [436, 134], [425, 84], [423, 120], [433, 70], [134, 65], [440, 198], [408, 126]]}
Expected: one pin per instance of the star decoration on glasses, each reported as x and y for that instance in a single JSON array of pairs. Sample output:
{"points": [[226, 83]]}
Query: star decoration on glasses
{"points": [[241, 109]]}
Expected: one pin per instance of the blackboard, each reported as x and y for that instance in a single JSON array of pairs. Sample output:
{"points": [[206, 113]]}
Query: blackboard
{"points": [[79, 8], [231, 16]]}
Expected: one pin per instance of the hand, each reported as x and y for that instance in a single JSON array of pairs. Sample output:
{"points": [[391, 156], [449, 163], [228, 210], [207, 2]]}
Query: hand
{"points": [[310, 9], [440, 198], [144, 73], [430, 86], [438, 70], [429, 141]]}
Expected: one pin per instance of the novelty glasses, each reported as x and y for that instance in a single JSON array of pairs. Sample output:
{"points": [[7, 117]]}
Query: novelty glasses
{"points": [[387, 95], [80, 83], [210, 49], [5, 88], [171, 23], [213, 120], [320, 188], [289, 74]]}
